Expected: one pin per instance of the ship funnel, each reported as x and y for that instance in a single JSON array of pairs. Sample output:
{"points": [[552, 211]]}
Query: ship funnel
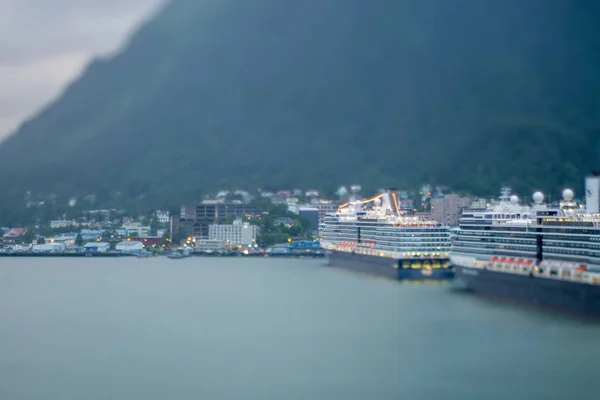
{"points": [[592, 193], [390, 201]]}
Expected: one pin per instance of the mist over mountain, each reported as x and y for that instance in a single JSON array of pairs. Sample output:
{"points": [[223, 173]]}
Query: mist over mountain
{"points": [[247, 93]]}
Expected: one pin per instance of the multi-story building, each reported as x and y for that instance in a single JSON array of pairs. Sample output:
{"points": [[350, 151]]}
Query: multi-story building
{"points": [[448, 209], [137, 229], [61, 224], [196, 218], [238, 233], [478, 204], [312, 215], [162, 216], [324, 207]]}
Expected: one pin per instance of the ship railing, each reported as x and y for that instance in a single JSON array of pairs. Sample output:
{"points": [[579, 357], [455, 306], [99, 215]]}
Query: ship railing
{"points": [[566, 273]]}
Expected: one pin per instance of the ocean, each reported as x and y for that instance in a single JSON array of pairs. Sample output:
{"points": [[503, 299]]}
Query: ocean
{"points": [[248, 328]]}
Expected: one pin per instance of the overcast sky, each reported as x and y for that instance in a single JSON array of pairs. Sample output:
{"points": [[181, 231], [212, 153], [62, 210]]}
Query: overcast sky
{"points": [[45, 43]]}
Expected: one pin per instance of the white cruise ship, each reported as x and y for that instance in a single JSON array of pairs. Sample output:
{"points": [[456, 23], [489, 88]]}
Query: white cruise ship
{"points": [[539, 254], [375, 237]]}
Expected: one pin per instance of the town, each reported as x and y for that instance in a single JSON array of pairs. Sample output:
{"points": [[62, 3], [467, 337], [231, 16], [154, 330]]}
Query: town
{"points": [[232, 222]]}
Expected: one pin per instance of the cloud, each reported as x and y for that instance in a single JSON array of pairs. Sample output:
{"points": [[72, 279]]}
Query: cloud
{"points": [[45, 44]]}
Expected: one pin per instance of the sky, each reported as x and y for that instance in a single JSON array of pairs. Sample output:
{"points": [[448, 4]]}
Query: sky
{"points": [[45, 44]]}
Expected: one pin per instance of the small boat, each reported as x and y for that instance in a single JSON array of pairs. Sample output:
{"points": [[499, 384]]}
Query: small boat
{"points": [[180, 253], [177, 255]]}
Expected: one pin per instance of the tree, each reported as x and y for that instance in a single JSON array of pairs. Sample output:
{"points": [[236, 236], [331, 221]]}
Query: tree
{"points": [[229, 219], [165, 240], [79, 240], [180, 234], [41, 240], [29, 236], [154, 226]]}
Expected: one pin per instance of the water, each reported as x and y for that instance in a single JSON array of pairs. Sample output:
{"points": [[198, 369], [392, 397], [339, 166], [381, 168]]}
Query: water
{"points": [[203, 328]]}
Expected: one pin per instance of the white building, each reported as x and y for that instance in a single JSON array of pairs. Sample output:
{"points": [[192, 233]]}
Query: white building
{"points": [[68, 239], [479, 204], [592, 193], [49, 248], [130, 246], [60, 224], [162, 217], [136, 229], [209, 244], [101, 247], [238, 233]]}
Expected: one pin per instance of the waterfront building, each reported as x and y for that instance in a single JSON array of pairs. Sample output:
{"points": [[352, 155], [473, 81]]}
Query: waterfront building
{"points": [[236, 234]]}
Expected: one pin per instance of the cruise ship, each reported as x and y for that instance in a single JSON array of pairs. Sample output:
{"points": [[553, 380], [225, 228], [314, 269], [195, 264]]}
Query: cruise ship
{"points": [[374, 236], [543, 255]]}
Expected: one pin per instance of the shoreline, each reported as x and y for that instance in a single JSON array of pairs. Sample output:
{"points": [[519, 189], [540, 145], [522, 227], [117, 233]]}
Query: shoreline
{"points": [[146, 255]]}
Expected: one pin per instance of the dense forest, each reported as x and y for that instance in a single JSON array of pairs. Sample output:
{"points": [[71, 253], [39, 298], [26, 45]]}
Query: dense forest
{"points": [[246, 93]]}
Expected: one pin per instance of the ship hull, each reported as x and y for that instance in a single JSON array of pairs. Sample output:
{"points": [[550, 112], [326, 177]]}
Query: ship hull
{"points": [[384, 266], [578, 298]]}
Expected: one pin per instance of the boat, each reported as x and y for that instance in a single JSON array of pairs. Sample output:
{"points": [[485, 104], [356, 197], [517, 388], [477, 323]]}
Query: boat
{"points": [[542, 255], [179, 253], [377, 237]]}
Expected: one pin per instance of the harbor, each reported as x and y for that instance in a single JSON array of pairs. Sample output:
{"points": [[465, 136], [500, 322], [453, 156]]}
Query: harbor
{"points": [[165, 320], [216, 254]]}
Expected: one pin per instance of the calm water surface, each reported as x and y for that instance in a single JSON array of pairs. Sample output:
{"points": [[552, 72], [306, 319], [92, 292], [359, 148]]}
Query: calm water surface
{"points": [[202, 328]]}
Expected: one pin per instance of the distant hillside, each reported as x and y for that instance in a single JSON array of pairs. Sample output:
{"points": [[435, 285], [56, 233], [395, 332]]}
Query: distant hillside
{"points": [[312, 93]]}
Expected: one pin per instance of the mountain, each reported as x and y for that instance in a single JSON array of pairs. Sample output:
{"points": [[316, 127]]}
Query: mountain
{"points": [[313, 93]]}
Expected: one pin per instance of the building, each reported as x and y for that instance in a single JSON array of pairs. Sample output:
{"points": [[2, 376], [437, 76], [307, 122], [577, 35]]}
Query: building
{"points": [[195, 219], [324, 207], [286, 221], [592, 193], [236, 234], [137, 229], [448, 209], [479, 204], [61, 224], [91, 234], [101, 215], [49, 248], [101, 247], [304, 245], [209, 245], [424, 216], [68, 239], [14, 234], [129, 246], [312, 215], [149, 241], [162, 217], [407, 206]]}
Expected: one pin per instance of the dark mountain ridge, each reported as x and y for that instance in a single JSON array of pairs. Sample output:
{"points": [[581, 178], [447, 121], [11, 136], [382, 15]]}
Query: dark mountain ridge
{"points": [[240, 93]]}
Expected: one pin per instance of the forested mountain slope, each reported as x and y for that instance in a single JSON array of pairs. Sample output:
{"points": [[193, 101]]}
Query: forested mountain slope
{"points": [[313, 93]]}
